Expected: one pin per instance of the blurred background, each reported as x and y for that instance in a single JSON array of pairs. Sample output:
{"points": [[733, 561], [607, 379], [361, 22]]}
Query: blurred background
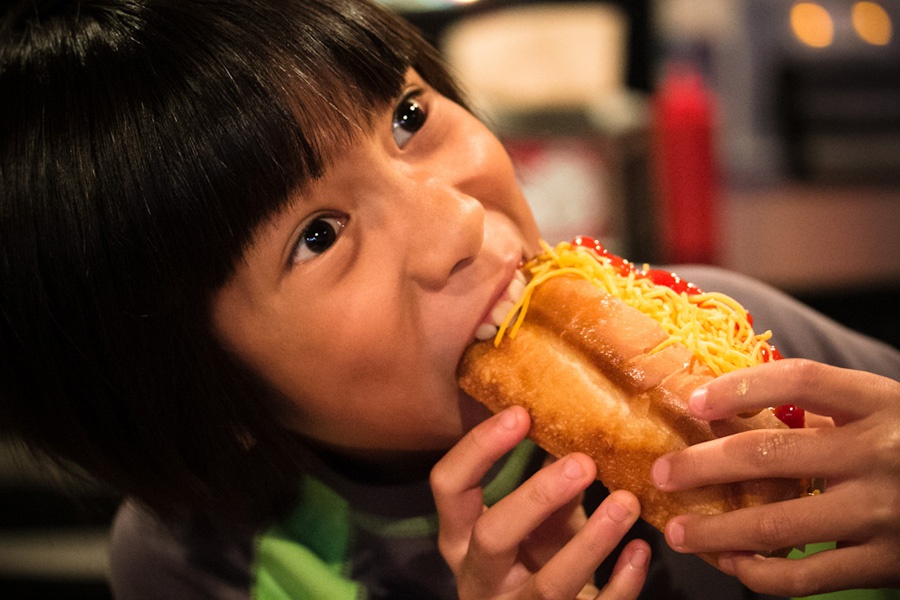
{"points": [[759, 135]]}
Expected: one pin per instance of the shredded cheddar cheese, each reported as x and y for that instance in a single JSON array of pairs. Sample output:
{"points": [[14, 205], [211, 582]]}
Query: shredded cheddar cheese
{"points": [[713, 326]]}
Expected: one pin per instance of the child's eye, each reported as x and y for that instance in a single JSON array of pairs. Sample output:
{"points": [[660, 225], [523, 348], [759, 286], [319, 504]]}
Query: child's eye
{"points": [[409, 117], [319, 235]]}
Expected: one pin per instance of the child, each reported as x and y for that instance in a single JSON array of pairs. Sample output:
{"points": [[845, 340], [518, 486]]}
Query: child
{"points": [[245, 245]]}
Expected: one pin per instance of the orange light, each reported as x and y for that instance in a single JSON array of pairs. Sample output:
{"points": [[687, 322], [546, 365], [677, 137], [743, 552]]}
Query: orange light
{"points": [[872, 23], [812, 24]]}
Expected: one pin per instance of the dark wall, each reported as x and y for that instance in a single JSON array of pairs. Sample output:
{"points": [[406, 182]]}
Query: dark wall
{"points": [[640, 45]]}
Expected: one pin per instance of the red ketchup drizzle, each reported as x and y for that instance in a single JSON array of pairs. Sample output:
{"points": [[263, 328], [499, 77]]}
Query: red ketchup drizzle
{"points": [[657, 276], [790, 415], [672, 281]]}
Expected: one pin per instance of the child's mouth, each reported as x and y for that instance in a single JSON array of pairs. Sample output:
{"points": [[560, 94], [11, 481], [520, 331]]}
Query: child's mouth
{"points": [[513, 293]]}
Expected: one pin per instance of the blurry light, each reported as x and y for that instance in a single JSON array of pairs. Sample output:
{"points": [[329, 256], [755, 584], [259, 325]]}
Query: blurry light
{"points": [[812, 24], [872, 23]]}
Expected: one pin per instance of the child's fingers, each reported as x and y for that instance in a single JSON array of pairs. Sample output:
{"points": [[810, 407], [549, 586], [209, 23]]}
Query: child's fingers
{"points": [[564, 575], [456, 478], [829, 516], [484, 546], [497, 537], [762, 453], [629, 573], [816, 387], [823, 572]]}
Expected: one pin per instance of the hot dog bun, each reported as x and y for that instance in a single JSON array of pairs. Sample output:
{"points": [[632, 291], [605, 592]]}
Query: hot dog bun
{"points": [[601, 377]]}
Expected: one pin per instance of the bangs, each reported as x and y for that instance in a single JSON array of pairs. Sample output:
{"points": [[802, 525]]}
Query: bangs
{"points": [[147, 142], [167, 136], [307, 82]]}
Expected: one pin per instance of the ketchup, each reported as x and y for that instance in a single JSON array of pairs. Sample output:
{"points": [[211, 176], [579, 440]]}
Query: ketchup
{"points": [[671, 281], [789, 414], [657, 276], [622, 266], [771, 354]]}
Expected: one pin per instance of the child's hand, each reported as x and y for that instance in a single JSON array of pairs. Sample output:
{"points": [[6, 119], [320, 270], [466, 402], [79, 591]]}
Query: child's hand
{"points": [[537, 541], [859, 457]]}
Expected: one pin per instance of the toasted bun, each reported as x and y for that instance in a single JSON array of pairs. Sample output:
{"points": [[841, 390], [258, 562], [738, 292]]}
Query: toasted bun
{"points": [[597, 377]]}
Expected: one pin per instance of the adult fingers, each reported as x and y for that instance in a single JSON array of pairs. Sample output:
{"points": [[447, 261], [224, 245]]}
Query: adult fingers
{"points": [[843, 394], [456, 478]]}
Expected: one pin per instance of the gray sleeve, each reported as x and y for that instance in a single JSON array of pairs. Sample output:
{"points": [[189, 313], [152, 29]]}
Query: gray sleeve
{"points": [[185, 561], [798, 331]]}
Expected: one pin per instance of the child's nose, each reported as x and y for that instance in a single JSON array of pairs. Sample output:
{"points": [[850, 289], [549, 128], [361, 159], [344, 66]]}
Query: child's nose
{"points": [[449, 233]]}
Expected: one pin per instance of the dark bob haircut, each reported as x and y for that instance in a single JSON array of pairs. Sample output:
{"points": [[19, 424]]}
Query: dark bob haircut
{"points": [[143, 142]]}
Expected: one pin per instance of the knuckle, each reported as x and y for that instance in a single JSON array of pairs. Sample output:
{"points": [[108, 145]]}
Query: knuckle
{"points": [[802, 376], [439, 480], [770, 527], [485, 541], [790, 583], [884, 513], [887, 448], [771, 447], [892, 509], [802, 584], [545, 589], [806, 585], [540, 493], [447, 549]]}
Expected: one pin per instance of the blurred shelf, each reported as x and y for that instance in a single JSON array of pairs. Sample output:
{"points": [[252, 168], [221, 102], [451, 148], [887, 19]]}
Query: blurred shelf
{"points": [[814, 239], [70, 554], [54, 530], [835, 248]]}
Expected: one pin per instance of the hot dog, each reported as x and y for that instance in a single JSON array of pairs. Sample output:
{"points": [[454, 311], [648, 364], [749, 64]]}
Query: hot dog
{"points": [[604, 356]]}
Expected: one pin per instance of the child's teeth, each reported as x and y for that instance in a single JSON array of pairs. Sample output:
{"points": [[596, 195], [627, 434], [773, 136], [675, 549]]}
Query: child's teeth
{"points": [[516, 289], [486, 331], [501, 310], [513, 294]]}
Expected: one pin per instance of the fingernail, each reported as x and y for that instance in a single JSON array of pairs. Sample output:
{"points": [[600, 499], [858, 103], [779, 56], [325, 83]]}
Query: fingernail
{"points": [[617, 512], [676, 535], [660, 472], [639, 558], [508, 419], [697, 401], [572, 469]]}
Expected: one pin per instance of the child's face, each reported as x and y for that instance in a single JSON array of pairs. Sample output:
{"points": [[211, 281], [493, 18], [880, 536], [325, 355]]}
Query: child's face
{"points": [[357, 301]]}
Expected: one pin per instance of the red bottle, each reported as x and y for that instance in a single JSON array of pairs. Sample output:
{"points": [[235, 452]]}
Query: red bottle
{"points": [[685, 167]]}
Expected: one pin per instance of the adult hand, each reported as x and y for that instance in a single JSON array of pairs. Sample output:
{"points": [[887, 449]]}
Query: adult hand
{"points": [[856, 451], [536, 542]]}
